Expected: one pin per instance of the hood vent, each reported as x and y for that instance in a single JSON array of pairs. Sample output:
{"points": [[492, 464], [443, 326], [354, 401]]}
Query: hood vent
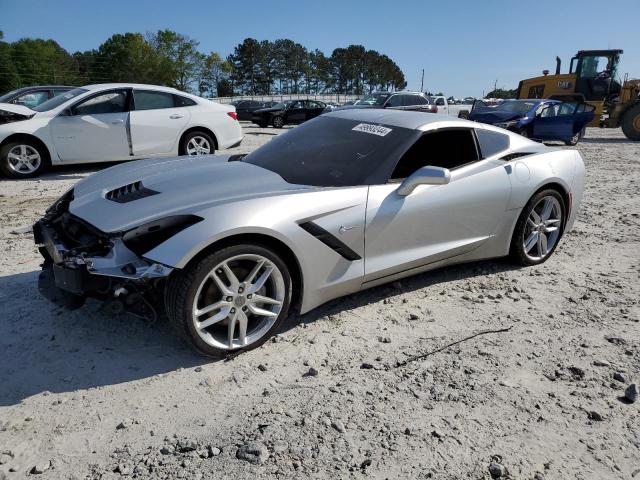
{"points": [[129, 193]]}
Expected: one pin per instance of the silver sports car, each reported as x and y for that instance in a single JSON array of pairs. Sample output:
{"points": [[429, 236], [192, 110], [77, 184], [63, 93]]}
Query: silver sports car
{"points": [[228, 246]]}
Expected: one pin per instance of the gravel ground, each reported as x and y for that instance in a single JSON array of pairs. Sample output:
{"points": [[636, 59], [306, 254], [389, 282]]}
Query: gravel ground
{"points": [[87, 395]]}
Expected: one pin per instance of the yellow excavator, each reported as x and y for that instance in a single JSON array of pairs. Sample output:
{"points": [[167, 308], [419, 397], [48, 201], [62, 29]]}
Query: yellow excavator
{"points": [[592, 78]]}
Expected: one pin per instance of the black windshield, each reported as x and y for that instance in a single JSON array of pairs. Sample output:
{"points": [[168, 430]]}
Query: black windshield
{"points": [[332, 152]]}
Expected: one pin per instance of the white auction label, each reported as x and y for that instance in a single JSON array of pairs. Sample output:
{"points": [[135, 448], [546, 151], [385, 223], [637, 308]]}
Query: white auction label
{"points": [[372, 129]]}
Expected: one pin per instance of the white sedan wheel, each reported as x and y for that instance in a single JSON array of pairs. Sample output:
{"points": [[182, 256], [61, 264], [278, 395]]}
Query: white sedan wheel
{"points": [[198, 145], [24, 159]]}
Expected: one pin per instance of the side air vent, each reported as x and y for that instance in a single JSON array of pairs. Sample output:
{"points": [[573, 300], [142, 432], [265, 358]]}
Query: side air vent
{"points": [[129, 193], [513, 156], [330, 241]]}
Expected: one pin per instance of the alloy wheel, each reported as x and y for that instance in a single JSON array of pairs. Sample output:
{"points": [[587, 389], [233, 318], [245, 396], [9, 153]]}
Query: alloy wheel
{"points": [[278, 122], [198, 145], [542, 230], [24, 159], [238, 302]]}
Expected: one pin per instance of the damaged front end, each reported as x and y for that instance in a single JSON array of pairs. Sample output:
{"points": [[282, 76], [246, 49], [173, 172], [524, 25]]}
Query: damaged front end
{"points": [[81, 261]]}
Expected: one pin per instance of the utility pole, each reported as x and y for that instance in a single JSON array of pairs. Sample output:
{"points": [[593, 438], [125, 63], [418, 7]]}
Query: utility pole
{"points": [[422, 82]]}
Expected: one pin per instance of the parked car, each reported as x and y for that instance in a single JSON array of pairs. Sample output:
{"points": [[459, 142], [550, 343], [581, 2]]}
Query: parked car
{"points": [[395, 100], [446, 108], [349, 200], [245, 108], [111, 122], [538, 119], [33, 96], [285, 113]]}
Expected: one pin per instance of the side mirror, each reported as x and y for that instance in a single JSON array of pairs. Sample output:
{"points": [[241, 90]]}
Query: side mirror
{"points": [[424, 176]]}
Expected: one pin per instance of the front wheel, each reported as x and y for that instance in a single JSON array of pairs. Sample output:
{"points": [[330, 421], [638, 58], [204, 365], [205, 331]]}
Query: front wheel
{"points": [[538, 229], [232, 300], [22, 159], [278, 122], [197, 143]]}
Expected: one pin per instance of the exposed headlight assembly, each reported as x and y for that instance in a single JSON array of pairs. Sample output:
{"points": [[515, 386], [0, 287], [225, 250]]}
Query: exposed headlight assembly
{"points": [[149, 235]]}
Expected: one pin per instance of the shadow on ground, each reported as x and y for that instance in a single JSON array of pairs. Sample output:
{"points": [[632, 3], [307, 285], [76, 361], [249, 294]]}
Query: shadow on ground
{"points": [[46, 348]]}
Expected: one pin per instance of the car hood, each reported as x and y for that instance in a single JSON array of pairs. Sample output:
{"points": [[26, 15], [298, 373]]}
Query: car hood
{"points": [[19, 109], [491, 117], [184, 185]]}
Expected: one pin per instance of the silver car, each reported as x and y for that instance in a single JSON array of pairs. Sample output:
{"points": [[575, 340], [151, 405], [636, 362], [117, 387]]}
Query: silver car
{"points": [[228, 246]]}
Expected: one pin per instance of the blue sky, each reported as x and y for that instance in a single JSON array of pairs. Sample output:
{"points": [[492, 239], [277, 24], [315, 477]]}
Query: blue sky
{"points": [[464, 46]]}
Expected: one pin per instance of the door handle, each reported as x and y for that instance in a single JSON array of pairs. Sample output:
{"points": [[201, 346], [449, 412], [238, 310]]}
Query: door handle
{"points": [[175, 116], [115, 122], [343, 229]]}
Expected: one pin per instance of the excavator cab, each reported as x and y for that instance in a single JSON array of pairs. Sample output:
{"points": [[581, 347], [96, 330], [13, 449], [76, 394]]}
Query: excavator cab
{"points": [[596, 74]]}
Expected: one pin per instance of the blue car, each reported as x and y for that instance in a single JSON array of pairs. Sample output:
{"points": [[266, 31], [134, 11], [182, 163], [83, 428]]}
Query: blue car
{"points": [[537, 119]]}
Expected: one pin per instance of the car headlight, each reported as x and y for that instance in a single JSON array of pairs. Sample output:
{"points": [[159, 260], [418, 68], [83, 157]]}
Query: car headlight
{"points": [[149, 235], [509, 124]]}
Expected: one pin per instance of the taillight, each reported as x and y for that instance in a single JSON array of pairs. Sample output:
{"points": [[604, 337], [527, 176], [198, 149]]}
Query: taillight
{"points": [[434, 109], [233, 115]]}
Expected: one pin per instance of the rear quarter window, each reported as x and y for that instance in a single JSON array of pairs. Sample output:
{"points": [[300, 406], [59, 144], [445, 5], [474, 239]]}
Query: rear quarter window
{"points": [[491, 142]]}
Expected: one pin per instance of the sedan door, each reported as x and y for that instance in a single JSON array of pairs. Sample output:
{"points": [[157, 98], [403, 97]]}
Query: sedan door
{"points": [[314, 109], [297, 112], [554, 122], [95, 129], [156, 123], [434, 222]]}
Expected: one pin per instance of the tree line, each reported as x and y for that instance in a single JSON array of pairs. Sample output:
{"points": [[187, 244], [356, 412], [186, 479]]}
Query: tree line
{"points": [[169, 58]]}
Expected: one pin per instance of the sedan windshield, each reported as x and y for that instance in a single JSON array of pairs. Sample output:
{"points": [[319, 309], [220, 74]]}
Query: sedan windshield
{"points": [[59, 100], [331, 152], [515, 106], [8, 96], [377, 99]]}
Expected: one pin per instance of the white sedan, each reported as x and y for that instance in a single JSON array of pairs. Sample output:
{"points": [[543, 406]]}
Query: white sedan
{"points": [[112, 122]]}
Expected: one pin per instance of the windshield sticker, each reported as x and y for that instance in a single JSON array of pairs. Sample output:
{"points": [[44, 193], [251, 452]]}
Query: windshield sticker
{"points": [[372, 129]]}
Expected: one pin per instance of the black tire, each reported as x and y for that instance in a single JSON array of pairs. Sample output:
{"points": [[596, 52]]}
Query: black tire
{"points": [[576, 138], [631, 122], [183, 285], [277, 121], [31, 147], [184, 142], [517, 251]]}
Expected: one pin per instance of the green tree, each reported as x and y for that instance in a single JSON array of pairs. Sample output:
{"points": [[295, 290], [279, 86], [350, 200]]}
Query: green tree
{"points": [[125, 58], [180, 59], [501, 93]]}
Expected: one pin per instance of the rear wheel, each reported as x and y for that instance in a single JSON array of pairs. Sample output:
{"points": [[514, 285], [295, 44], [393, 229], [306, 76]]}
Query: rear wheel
{"points": [[539, 228], [631, 122], [197, 143], [230, 301], [22, 159], [576, 138], [278, 122]]}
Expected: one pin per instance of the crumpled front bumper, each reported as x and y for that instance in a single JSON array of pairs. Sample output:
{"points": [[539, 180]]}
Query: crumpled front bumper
{"points": [[68, 276]]}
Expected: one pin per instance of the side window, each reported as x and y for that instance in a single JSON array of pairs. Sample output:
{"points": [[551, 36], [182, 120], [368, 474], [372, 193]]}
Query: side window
{"points": [[147, 100], [440, 102], [109, 102], [567, 109], [395, 101], [536, 91], [180, 101], [32, 99], [297, 104], [550, 111], [447, 149], [491, 142], [417, 100]]}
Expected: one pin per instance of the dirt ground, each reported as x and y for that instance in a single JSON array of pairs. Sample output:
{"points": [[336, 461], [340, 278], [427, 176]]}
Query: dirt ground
{"points": [[87, 395]]}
